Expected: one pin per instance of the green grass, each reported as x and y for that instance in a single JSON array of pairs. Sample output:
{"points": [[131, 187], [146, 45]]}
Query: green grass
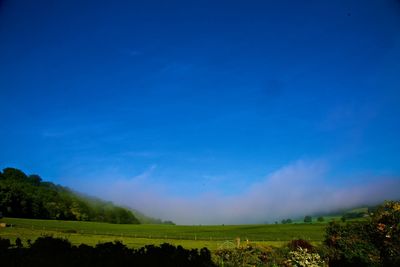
{"points": [[139, 235]]}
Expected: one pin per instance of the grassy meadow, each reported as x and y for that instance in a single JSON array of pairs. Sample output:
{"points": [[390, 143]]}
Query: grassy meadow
{"points": [[213, 237]]}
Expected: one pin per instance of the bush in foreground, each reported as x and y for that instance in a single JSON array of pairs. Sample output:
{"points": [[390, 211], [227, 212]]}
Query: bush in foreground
{"points": [[304, 258], [300, 243], [375, 242], [242, 256], [49, 251]]}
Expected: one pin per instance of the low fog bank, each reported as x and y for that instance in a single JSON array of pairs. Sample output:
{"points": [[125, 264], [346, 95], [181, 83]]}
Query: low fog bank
{"points": [[292, 191]]}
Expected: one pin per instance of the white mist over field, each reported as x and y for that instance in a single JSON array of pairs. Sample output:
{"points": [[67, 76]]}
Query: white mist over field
{"points": [[292, 191]]}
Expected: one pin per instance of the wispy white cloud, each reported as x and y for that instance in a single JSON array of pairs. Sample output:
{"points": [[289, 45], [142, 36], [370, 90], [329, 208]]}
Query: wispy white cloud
{"points": [[144, 175], [294, 190]]}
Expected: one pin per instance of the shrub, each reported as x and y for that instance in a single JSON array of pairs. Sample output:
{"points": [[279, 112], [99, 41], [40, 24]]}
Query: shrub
{"points": [[375, 242], [386, 232], [49, 251], [4, 244], [50, 245], [252, 256], [18, 243], [351, 245], [300, 243], [308, 219], [303, 258], [244, 256]]}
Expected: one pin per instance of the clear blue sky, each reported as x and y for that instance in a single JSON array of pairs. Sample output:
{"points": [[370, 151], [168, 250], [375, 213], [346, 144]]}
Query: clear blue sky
{"points": [[196, 97]]}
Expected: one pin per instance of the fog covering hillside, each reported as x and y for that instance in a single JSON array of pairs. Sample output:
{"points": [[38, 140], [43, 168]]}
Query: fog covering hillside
{"points": [[27, 196]]}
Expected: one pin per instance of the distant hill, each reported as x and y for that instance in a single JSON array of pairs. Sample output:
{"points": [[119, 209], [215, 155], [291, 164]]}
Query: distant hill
{"points": [[353, 213], [27, 196], [356, 214]]}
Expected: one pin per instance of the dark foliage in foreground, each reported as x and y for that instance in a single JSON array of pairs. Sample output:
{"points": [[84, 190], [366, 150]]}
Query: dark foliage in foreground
{"points": [[301, 243], [27, 196], [49, 251], [371, 243]]}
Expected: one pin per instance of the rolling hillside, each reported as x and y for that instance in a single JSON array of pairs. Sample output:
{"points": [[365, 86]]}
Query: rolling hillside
{"points": [[27, 196]]}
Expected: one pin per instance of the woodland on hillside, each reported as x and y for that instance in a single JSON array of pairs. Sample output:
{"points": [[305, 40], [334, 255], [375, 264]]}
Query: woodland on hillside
{"points": [[27, 196]]}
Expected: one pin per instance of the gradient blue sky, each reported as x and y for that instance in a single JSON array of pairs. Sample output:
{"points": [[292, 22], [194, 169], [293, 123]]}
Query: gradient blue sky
{"points": [[183, 99]]}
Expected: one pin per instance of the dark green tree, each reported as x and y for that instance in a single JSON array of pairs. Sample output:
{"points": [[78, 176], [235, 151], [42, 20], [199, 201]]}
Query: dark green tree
{"points": [[307, 219], [29, 197], [286, 221]]}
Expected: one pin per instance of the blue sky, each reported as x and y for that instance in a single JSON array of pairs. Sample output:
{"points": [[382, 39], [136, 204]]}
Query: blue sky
{"points": [[183, 99]]}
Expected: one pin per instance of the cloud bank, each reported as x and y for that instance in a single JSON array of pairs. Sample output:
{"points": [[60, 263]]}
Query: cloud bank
{"points": [[292, 191]]}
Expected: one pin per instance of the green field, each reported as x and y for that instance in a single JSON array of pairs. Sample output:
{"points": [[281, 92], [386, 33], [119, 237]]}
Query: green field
{"points": [[212, 237]]}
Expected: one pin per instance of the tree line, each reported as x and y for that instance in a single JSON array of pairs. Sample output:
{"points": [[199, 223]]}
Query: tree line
{"points": [[28, 196]]}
